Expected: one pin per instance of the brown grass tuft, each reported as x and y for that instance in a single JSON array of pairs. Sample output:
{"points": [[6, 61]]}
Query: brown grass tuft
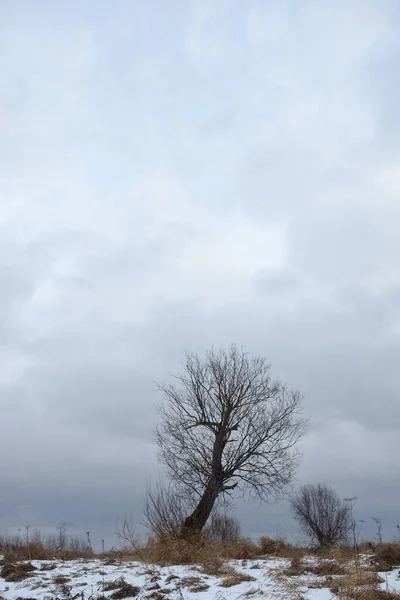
{"points": [[369, 594], [17, 572], [48, 567], [155, 596], [214, 566], [189, 581], [200, 587], [125, 590], [295, 568], [361, 585], [60, 580], [328, 567], [272, 547], [171, 578], [234, 578], [110, 586], [387, 556]]}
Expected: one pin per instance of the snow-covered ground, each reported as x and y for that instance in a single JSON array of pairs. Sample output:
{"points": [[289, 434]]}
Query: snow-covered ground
{"points": [[94, 579]]}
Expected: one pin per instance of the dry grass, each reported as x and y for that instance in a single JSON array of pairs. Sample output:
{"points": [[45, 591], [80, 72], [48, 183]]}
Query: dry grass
{"points": [[110, 586], [234, 578], [190, 581], [16, 572], [346, 575], [163, 550], [61, 580], [48, 567], [170, 550], [34, 545], [325, 567], [270, 547], [296, 568], [361, 578], [255, 591], [360, 584], [199, 587], [126, 590], [387, 556], [214, 567], [369, 594], [328, 568], [155, 596]]}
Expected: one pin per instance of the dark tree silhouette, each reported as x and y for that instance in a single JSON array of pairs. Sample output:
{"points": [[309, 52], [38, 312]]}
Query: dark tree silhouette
{"points": [[225, 425], [322, 515]]}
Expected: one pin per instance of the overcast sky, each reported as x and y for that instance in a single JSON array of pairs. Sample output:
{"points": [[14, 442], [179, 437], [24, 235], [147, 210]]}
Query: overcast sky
{"points": [[180, 174]]}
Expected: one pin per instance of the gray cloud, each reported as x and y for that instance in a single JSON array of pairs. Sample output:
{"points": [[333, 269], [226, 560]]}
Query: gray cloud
{"points": [[172, 182]]}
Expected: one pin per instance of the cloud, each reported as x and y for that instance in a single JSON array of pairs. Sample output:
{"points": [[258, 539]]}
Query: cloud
{"points": [[176, 179]]}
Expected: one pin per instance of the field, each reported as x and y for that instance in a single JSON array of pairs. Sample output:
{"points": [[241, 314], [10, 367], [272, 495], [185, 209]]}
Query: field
{"points": [[292, 573]]}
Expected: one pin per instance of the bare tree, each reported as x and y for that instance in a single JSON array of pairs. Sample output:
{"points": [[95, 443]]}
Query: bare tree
{"points": [[165, 510], [228, 425], [322, 515]]}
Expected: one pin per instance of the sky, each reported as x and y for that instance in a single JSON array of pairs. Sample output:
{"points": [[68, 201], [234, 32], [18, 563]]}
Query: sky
{"points": [[177, 175]]}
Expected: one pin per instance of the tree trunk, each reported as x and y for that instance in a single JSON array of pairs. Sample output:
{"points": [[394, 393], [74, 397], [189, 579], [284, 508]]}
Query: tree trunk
{"points": [[195, 522]]}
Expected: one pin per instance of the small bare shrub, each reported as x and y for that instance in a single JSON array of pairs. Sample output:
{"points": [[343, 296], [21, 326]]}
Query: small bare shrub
{"points": [[165, 510], [223, 528]]}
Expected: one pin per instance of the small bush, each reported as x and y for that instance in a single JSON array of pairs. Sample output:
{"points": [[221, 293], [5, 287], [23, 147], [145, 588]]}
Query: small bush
{"points": [[272, 547]]}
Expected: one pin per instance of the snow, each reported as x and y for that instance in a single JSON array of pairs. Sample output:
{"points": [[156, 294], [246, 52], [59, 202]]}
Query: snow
{"points": [[88, 579], [391, 581], [319, 594]]}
